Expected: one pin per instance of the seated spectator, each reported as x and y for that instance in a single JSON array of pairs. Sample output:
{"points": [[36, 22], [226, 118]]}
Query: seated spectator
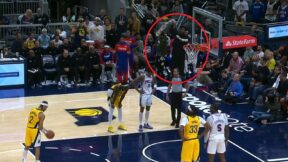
{"points": [[271, 12], [44, 39], [30, 41], [69, 17], [258, 11], [177, 7], [94, 65], [39, 51], [235, 64], [52, 50], [121, 22], [97, 32], [41, 18], [108, 63], [66, 45], [139, 58], [27, 18], [259, 54], [65, 67], [249, 52], [7, 53], [80, 61], [234, 91], [103, 15], [136, 24], [88, 23], [112, 37], [142, 6], [283, 85], [34, 65], [283, 11], [240, 8], [17, 43], [84, 46], [271, 110], [80, 32], [57, 41], [271, 63], [62, 33], [4, 20]]}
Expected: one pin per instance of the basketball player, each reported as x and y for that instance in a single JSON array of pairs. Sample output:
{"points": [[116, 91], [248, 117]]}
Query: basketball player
{"points": [[116, 95], [189, 128], [148, 87], [218, 135], [34, 126]]}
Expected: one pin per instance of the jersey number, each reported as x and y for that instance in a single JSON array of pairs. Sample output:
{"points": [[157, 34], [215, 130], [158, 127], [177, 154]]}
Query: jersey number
{"points": [[219, 128], [30, 119], [193, 129]]}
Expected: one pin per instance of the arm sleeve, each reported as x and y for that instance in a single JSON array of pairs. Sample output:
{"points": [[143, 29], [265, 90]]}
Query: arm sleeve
{"points": [[184, 121]]}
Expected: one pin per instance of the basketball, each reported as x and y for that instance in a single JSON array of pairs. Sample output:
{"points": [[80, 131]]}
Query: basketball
{"points": [[50, 134]]}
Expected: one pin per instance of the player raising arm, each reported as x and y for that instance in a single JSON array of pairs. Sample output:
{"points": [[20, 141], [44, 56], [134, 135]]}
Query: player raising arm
{"points": [[148, 87], [189, 128], [218, 135]]}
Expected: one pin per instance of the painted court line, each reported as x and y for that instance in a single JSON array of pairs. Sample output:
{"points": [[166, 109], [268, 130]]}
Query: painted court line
{"points": [[281, 122], [75, 150], [153, 144], [279, 159], [51, 148], [169, 141], [92, 153], [249, 153]]}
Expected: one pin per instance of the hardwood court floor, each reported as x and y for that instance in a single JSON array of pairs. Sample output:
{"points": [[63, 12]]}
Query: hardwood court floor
{"points": [[14, 117]]}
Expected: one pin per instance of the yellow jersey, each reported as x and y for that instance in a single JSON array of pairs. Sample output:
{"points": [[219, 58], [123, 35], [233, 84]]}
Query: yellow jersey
{"points": [[33, 119], [191, 129], [119, 91]]}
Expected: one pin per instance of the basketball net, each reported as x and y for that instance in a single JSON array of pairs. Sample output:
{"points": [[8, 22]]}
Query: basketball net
{"points": [[192, 51]]}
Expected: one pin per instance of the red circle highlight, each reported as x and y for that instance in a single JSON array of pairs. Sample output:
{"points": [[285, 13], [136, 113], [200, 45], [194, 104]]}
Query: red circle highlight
{"points": [[206, 39]]}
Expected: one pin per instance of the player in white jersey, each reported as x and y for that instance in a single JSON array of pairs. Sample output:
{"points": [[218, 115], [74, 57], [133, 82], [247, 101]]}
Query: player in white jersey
{"points": [[148, 87], [218, 134]]}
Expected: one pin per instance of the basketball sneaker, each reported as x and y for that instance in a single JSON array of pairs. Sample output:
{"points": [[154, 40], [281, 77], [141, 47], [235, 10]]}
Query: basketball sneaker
{"points": [[111, 129], [140, 128], [148, 126], [122, 127]]}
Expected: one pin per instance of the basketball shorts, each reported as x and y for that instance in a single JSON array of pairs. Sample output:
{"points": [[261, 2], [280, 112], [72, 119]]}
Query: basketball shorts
{"points": [[216, 145], [32, 137], [145, 100], [190, 150]]}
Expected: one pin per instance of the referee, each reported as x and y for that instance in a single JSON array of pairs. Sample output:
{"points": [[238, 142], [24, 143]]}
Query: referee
{"points": [[175, 97]]}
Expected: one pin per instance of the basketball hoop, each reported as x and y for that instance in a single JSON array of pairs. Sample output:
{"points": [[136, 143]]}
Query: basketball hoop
{"points": [[192, 51]]}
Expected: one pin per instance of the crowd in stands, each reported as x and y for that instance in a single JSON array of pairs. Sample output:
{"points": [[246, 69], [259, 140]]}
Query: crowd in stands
{"points": [[92, 50]]}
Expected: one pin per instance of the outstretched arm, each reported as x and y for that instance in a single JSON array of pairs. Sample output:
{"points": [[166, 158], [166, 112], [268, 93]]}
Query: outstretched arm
{"points": [[41, 117]]}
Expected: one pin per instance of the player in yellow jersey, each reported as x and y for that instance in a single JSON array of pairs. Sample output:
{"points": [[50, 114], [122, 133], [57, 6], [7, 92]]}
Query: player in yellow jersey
{"points": [[34, 126], [116, 95], [189, 128]]}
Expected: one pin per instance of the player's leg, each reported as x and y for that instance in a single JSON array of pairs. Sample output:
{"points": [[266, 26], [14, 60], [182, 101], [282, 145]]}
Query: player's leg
{"points": [[221, 149], [187, 151], [121, 125], [142, 106], [211, 150], [110, 117], [196, 151], [37, 145], [147, 112], [29, 138], [173, 109]]}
